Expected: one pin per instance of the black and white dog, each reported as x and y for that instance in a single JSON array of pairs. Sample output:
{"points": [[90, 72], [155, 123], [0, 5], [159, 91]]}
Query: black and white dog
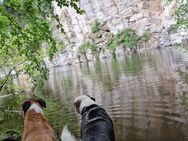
{"points": [[96, 125]]}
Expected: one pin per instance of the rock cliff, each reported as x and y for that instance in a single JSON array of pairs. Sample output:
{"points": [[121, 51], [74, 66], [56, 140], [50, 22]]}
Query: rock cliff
{"points": [[141, 15]]}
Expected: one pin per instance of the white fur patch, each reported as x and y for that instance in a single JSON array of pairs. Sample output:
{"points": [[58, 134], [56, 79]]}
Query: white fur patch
{"points": [[37, 108], [84, 102], [66, 135]]}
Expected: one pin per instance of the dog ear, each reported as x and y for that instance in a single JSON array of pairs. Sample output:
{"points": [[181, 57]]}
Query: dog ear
{"points": [[42, 103], [25, 106]]}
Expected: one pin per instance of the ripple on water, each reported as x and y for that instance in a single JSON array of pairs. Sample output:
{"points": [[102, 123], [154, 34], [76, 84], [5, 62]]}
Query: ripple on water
{"points": [[139, 92], [157, 110]]}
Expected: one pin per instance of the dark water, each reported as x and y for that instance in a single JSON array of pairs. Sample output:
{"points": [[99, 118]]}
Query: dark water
{"points": [[146, 95]]}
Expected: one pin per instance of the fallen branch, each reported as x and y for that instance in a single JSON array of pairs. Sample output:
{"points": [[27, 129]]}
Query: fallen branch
{"points": [[13, 111], [4, 96]]}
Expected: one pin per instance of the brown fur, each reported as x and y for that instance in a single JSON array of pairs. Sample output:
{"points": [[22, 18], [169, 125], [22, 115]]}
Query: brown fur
{"points": [[36, 127]]}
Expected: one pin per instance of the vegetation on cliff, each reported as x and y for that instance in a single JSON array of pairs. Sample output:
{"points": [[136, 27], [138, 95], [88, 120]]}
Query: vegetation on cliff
{"points": [[95, 27], [127, 38], [180, 14], [102, 39]]}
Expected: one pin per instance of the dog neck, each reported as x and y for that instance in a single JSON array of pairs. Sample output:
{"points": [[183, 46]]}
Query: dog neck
{"points": [[36, 108], [87, 102], [87, 109]]}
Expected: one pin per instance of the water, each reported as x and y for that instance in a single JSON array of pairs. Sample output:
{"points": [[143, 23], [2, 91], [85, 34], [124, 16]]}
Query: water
{"points": [[146, 95]]}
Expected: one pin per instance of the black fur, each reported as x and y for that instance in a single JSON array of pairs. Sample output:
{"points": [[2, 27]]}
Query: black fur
{"points": [[92, 98], [96, 125], [25, 106], [42, 103]]}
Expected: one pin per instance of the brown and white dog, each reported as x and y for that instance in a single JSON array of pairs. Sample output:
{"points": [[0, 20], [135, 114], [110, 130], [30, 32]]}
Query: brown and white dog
{"points": [[36, 126], [96, 125]]}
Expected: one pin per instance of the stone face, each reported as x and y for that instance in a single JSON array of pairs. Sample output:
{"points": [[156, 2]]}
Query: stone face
{"points": [[141, 15], [100, 15]]}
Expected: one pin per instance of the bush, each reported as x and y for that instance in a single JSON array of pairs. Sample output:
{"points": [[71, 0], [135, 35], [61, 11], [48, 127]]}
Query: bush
{"points": [[95, 27], [128, 38]]}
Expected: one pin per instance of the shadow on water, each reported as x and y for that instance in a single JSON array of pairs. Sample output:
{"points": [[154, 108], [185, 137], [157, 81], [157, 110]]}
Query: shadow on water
{"points": [[146, 95]]}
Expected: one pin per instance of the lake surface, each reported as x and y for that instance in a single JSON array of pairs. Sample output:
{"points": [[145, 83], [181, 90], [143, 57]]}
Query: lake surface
{"points": [[146, 95]]}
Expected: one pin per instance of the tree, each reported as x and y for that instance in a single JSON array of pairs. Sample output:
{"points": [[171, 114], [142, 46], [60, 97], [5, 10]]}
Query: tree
{"points": [[23, 29]]}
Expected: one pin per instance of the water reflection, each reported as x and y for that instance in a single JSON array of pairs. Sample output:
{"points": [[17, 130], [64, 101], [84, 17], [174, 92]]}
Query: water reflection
{"points": [[145, 94], [139, 92]]}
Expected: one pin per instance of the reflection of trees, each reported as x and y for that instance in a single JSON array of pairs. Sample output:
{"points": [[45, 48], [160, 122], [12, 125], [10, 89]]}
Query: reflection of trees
{"points": [[115, 69], [132, 64]]}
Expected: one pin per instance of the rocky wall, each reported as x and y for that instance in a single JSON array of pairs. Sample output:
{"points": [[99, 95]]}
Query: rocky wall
{"points": [[141, 15]]}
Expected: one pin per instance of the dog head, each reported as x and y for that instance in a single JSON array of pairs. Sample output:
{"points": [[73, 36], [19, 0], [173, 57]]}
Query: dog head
{"points": [[35, 104], [83, 101]]}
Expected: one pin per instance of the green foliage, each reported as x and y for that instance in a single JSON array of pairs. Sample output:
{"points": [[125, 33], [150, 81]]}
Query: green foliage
{"points": [[95, 27], [23, 29], [128, 39], [83, 48], [181, 16], [10, 88]]}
